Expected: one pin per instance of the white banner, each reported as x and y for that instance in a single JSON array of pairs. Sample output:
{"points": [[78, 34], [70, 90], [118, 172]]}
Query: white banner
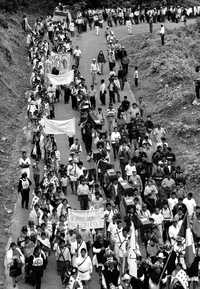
{"points": [[61, 61], [86, 219], [61, 79], [67, 127]]}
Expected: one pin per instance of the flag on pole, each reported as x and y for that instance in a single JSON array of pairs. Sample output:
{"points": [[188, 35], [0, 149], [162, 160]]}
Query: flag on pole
{"points": [[181, 276], [186, 233], [132, 256]]}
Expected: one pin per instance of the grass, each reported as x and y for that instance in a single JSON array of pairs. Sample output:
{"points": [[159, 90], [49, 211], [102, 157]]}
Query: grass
{"points": [[166, 83], [14, 74]]}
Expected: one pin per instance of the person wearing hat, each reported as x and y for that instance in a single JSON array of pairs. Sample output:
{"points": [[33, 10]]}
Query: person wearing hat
{"points": [[179, 249], [74, 280], [110, 275], [126, 281]]}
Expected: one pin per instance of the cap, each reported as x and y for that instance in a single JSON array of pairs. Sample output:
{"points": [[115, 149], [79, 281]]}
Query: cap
{"points": [[161, 255], [74, 270], [126, 277]]}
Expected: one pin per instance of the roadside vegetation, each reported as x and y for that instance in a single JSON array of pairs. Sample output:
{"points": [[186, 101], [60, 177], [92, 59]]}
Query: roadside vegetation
{"points": [[14, 74], [166, 84]]}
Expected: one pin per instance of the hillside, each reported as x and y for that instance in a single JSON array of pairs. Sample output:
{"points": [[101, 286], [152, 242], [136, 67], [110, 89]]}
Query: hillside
{"points": [[14, 75], [166, 83]]}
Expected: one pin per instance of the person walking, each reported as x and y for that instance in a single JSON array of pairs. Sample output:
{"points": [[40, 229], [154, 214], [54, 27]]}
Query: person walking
{"points": [[92, 95], [77, 55], [136, 76], [15, 261], [121, 77], [115, 139], [101, 61], [25, 163], [97, 25], [84, 266], [162, 34], [94, 70], [24, 188], [83, 194], [110, 116], [112, 89], [151, 24], [103, 92], [37, 265], [125, 63], [111, 59]]}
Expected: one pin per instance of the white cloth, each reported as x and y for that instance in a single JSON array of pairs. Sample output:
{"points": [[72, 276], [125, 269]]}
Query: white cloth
{"points": [[9, 256], [55, 127], [130, 169], [61, 79], [115, 137], [84, 266], [191, 205], [27, 161]]}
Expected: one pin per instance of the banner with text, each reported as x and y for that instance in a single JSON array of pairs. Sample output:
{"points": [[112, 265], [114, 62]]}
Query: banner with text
{"points": [[86, 219], [61, 79]]}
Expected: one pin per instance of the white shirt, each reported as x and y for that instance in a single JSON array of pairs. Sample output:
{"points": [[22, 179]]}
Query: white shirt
{"points": [[77, 52], [115, 137], [94, 67], [191, 205], [162, 30], [173, 232], [158, 218], [27, 161], [103, 87], [112, 229], [84, 266], [109, 215], [172, 203], [129, 169], [61, 254]]}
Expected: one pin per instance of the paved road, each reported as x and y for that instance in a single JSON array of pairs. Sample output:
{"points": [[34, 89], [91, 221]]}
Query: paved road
{"points": [[90, 45]]}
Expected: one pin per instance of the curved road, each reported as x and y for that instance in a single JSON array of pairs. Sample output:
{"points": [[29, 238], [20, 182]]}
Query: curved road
{"points": [[90, 44]]}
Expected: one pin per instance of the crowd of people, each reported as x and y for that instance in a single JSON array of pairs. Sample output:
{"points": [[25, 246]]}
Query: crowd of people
{"points": [[137, 15], [90, 18], [130, 172]]}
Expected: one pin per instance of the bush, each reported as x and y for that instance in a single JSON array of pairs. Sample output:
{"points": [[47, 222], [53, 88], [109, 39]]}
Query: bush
{"points": [[3, 23]]}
